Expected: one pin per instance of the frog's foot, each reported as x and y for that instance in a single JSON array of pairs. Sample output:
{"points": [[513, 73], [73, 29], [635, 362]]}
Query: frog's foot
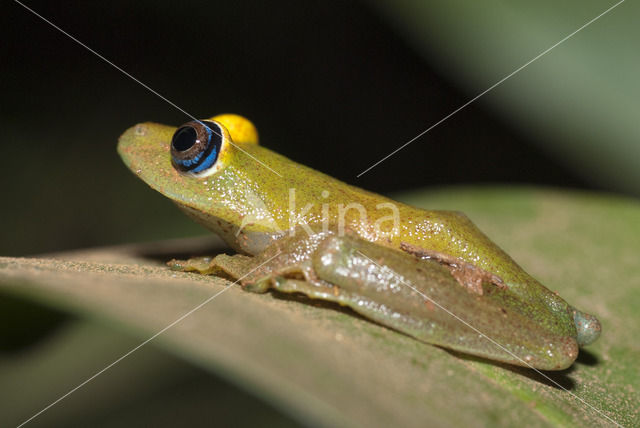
{"points": [[465, 273], [314, 289], [588, 327], [285, 278], [232, 267]]}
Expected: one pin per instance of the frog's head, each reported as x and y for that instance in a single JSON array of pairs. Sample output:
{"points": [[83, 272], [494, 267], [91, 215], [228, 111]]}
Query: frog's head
{"points": [[208, 168], [196, 149]]}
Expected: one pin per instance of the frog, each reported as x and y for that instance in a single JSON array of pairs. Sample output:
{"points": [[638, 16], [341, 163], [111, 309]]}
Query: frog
{"points": [[430, 274]]}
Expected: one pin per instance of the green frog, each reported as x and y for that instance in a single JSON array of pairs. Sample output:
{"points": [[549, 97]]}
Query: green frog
{"points": [[427, 273]]}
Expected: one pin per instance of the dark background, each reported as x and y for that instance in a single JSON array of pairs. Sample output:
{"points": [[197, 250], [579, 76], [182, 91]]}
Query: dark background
{"points": [[328, 83]]}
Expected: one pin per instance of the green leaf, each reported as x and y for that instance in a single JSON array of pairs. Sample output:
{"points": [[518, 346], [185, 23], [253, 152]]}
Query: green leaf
{"points": [[326, 366], [578, 101]]}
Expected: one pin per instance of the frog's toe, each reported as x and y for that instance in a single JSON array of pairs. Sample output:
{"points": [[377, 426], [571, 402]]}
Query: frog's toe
{"points": [[196, 264], [588, 327]]}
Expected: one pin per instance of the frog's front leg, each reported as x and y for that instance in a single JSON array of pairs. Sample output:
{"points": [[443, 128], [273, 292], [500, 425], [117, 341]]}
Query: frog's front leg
{"points": [[233, 267], [276, 269], [285, 266]]}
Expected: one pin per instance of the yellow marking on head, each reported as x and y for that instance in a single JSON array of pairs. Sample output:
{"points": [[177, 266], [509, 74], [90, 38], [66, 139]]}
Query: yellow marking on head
{"points": [[241, 129]]}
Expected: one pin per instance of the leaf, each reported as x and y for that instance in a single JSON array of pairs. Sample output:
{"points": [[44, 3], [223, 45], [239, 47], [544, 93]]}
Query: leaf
{"points": [[327, 366], [556, 95]]}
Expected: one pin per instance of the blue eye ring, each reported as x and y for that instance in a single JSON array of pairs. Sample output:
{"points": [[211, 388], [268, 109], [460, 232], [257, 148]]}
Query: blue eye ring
{"points": [[195, 146]]}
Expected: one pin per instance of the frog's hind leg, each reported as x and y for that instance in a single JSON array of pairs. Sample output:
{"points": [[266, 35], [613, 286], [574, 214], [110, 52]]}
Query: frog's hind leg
{"points": [[426, 300]]}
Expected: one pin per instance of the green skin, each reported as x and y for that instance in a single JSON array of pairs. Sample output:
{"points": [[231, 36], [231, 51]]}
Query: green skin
{"points": [[251, 208]]}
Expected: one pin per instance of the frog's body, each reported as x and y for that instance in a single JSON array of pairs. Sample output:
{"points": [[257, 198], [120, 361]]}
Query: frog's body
{"points": [[254, 198]]}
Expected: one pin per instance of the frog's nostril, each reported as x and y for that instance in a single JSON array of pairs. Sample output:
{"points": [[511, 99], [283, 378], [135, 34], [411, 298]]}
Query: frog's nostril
{"points": [[184, 139]]}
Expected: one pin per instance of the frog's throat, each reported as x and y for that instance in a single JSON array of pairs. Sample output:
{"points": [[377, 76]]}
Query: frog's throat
{"points": [[239, 239]]}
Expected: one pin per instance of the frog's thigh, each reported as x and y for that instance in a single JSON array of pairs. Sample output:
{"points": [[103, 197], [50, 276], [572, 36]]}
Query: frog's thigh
{"points": [[234, 267], [401, 292]]}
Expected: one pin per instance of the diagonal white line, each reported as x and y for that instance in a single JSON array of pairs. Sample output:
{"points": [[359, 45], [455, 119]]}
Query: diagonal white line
{"points": [[541, 54], [145, 342], [488, 338], [139, 82]]}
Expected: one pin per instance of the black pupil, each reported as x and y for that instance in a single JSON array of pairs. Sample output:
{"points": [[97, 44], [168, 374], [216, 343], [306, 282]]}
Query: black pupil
{"points": [[184, 139]]}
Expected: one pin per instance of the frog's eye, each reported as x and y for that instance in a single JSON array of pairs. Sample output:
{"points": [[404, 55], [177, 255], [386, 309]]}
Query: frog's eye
{"points": [[195, 147]]}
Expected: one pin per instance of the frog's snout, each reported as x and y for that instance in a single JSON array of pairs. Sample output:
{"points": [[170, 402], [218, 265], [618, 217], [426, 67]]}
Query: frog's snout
{"points": [[588, 327]]}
